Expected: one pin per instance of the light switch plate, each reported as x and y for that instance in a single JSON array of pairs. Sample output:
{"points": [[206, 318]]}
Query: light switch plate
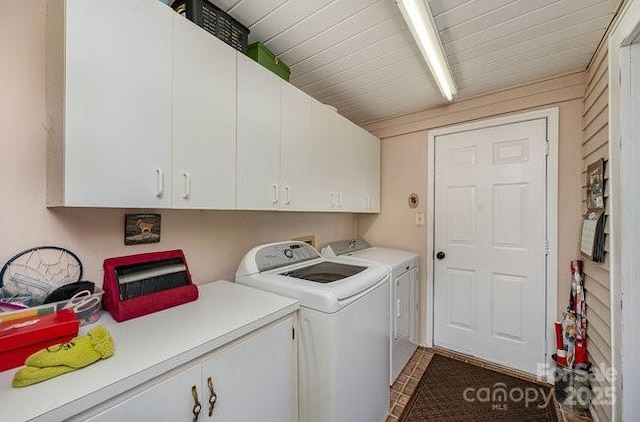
{"points": [[419, 219]]}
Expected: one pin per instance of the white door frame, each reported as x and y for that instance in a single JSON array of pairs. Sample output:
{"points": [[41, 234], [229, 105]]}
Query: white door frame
{"points": [[623, 261], [551, 114]]}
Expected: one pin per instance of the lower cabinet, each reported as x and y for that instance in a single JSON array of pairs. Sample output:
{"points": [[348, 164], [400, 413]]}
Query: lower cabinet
{"points": [[253, 379]]}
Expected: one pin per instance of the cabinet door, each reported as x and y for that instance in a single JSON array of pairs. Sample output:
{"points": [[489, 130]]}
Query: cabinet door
{"points": [[324, 164], [372, 172], [258, 126], [363, 170], [296, 162], [254, 380], [204, 119], [170, 400], [347, 166], [117, 103]]}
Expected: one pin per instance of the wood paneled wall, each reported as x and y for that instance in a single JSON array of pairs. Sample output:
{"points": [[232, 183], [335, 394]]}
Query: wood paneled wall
{"points": [[597, 278]]}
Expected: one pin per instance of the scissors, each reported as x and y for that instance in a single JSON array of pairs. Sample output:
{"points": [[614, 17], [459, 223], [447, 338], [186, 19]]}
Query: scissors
{"points": [[83, 304], [82, 301]]}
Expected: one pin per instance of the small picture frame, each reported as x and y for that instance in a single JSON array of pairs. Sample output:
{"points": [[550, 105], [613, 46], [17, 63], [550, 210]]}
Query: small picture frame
{"points": [[595, 186], [141, 229]]}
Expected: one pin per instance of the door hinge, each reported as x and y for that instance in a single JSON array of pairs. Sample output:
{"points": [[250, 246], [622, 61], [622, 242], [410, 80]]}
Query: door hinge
{"points": [[546, 247], [293, 333], [621, 305], [620, 142], [547, 148]]}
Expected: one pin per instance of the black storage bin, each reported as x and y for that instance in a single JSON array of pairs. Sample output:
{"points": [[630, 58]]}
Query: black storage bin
{"points": [[214, 20]]}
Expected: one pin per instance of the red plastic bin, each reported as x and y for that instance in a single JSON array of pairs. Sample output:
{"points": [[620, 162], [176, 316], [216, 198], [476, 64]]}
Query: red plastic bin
{"points": [[22, 337]]}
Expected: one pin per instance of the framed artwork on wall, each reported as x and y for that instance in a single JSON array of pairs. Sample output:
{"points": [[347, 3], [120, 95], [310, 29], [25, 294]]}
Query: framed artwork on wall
{"points": [[595, 185], [141, 228]]}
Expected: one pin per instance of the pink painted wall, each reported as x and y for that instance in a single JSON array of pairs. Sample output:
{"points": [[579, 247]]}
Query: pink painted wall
{"points": [[404, 170], [213, 241]]}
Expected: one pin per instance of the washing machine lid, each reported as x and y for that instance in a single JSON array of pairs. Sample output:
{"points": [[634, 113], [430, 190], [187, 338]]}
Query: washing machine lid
{"points": [[389, 257], [361, 249], [335, 283]]}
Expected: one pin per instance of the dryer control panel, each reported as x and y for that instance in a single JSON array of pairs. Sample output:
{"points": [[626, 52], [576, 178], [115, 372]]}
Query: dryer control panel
{"points": [[345, 247], [283, 254]]}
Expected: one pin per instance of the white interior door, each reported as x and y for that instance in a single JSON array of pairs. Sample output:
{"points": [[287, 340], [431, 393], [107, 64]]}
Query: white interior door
{"points": [[490, 237]]}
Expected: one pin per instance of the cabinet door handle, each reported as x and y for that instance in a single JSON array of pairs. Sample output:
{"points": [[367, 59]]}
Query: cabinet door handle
{"points": [[339, 199], [371, 203], [187, 186], [274, 198], [333, 199], [287, 191], [159, 183], [213, 397], [366, 202], [197, 407]]}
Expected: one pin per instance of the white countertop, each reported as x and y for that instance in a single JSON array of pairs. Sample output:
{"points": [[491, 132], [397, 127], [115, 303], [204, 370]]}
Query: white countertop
{"points": [[147, 347]]}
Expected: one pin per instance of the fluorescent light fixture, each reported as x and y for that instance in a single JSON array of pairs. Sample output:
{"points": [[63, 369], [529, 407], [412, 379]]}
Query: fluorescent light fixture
{"points": [[420, 21]]}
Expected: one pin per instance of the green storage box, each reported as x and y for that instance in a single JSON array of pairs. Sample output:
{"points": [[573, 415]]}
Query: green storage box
{"points": [[258, 52]]}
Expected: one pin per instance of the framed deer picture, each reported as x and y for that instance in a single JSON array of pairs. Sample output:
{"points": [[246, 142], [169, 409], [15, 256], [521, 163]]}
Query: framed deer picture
{"points": [[141, 228]]}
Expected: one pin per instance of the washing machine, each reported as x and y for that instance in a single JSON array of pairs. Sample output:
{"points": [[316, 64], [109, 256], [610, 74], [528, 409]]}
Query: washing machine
{"points": [[402, 267], [343, 352]]}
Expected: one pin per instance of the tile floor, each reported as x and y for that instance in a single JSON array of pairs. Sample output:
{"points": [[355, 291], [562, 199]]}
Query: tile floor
{"points": [[407, 382], [408, 379]]}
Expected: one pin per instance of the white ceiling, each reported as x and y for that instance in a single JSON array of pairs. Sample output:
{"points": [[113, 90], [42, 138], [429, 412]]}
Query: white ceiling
{"points": [[359, 56]]}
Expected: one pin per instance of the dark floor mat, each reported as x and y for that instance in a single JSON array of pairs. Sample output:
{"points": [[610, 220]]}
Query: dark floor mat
{"points": [[451, 390]]}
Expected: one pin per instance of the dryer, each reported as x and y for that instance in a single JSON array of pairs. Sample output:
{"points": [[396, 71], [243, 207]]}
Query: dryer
{"points": [[343, 353], [402, 267]]}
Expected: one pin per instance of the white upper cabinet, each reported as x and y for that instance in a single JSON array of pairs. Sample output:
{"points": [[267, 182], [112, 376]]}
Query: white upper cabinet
{"points": [[346, 164], [372, 175], [204, 119], [109, 103], [258, 137], [346, 160], [296, 150], [367, 168], [324, 150], [147, 110]]}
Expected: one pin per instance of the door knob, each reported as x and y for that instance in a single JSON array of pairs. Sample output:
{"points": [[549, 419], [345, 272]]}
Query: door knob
{"points": [[440, 255]]}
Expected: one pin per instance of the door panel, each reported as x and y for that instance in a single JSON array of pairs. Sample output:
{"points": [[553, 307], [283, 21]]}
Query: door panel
{"points": [[296, 153], [490, 209], [508, 298], [323, 136], [510, 215], [258, 137], [118, 121], [261, 368], [169, 400], [204, 119], [461, 293], [461, 204]]}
